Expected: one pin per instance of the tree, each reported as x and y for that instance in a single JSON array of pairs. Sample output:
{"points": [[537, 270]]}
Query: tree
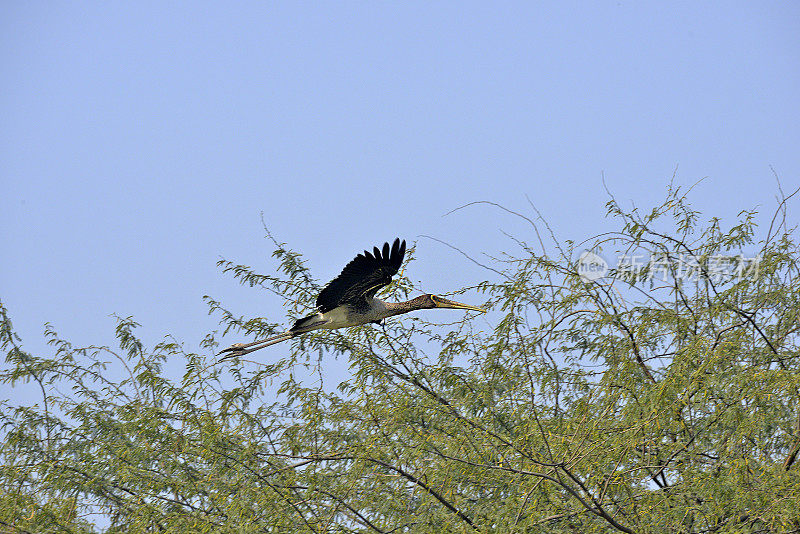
{"points": [[662, 397]]}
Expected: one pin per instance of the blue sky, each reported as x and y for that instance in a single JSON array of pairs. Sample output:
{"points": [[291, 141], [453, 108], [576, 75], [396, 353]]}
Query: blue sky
{"points": [[140, 142]]}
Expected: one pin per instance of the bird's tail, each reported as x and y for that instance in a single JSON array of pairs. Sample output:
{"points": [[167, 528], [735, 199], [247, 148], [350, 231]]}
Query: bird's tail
{"points": [[306, 323]]}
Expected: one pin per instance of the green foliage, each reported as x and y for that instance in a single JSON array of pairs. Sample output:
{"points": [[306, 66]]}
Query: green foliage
{"points": [[642, 402]]}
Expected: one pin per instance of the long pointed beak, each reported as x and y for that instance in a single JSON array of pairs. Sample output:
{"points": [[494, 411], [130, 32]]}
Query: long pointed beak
{"points": [[444, 303]]}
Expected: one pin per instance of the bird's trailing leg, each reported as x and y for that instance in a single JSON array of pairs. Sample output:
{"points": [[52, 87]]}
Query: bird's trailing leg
{"points": [[240, 349]]}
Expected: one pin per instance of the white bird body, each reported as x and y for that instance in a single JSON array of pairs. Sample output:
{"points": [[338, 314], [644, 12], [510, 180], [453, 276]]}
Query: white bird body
{"points": [[342, 316]]}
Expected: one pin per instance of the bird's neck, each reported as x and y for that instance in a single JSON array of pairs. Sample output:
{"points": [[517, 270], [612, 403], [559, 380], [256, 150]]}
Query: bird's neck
{"points": [[397, 308]]}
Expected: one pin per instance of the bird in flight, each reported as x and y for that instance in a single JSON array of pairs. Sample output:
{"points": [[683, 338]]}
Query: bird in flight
{"points": [[349, 299]]}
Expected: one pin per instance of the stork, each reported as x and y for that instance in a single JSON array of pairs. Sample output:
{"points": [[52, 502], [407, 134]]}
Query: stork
{"points": [[349, 299]]}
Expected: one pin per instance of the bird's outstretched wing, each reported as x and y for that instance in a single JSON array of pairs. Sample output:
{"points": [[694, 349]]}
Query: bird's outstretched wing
{"points": [[362, 277]]}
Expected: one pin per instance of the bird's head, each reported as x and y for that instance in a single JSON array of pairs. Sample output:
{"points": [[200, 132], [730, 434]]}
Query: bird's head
{"points": [[435, 301]]}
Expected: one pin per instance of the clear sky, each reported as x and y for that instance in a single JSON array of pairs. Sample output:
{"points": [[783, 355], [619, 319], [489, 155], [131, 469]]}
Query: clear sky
{"points": [[141, 141]]}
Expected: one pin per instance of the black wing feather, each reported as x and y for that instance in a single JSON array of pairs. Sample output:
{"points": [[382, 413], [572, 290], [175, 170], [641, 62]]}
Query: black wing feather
{"points": [[362, 277]]}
